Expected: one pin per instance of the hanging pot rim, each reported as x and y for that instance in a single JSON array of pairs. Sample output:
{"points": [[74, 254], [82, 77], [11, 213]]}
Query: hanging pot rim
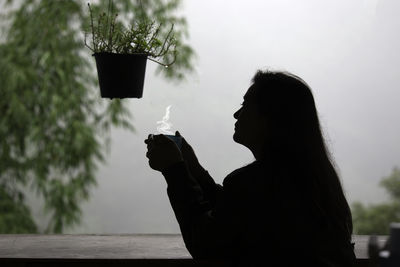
{"points": [[112, 53]]}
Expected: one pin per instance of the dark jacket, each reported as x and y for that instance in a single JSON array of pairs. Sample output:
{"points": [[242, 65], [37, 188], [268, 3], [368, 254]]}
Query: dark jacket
{"points": [[257, 218]]}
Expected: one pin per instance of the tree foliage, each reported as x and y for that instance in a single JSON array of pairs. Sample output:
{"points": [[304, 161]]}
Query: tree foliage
{"points": [[375, 219], [54, 127], [15, 215]]}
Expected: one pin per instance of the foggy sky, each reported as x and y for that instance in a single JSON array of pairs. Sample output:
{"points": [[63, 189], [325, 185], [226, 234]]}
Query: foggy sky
{"points": [[347, 51]]}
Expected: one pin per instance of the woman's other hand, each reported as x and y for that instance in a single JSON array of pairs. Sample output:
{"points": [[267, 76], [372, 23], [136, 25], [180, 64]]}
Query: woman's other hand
{"points": [[189, 156], [162, 152]]}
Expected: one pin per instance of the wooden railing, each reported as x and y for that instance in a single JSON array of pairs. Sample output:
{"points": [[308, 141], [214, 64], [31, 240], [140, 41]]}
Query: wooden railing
{"points": [[115, 250]]}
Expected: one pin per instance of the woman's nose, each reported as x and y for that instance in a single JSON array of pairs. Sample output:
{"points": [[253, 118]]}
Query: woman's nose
{"points": [[236, 114]]}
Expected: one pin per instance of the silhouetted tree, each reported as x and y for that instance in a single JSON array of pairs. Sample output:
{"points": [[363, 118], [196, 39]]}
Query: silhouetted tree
{"points": [[375, 219]]}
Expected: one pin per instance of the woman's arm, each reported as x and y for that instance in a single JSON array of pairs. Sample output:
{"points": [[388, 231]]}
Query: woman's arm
{"points": [[206, 182], [208, 227]]}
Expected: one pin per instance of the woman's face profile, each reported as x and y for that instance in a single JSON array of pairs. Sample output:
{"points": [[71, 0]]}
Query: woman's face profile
{"points": [[250, 127]]}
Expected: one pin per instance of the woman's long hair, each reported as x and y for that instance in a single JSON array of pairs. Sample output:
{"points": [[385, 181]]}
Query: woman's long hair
{"points": [[295, 139]]}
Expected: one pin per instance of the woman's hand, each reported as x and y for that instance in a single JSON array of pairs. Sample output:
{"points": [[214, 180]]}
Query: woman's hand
{"points": [[162, 152], [189, 156]]}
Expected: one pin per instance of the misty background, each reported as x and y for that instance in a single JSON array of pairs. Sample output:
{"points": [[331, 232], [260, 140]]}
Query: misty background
{"points": [[347, 51]]}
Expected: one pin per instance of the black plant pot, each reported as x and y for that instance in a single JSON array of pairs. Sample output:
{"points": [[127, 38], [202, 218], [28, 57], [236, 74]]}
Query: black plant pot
{"points": [[121, 75]]}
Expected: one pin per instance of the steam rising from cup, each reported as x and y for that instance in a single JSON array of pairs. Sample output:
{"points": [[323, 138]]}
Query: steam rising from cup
{"points": [[164, 125]]}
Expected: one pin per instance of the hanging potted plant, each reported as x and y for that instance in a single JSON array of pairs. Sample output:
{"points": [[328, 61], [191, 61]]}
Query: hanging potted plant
{"points": [[121, 52]]}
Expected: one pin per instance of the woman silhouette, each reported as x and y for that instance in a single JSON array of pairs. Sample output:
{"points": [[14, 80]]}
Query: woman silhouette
{"points": [[287, 208]]}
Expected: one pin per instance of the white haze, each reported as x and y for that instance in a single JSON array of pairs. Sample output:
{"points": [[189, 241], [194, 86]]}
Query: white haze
{"points": [[347, 51], [164, 124]]}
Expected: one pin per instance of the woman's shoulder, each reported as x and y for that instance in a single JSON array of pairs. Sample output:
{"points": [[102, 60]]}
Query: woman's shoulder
{"points": [[246, 174]]}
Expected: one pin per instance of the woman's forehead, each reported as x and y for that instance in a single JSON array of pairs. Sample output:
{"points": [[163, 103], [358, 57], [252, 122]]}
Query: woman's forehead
{"points": [[250, 94]]}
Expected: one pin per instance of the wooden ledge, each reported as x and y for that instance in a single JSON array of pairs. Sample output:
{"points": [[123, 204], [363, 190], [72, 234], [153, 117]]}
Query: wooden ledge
{"points": [[115, 250]]}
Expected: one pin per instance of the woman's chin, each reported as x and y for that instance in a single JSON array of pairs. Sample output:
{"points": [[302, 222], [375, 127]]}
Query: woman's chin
{"points": [[236, 137]]}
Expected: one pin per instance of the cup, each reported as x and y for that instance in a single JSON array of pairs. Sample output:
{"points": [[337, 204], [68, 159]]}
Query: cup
{"points": [[176, 139]]}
